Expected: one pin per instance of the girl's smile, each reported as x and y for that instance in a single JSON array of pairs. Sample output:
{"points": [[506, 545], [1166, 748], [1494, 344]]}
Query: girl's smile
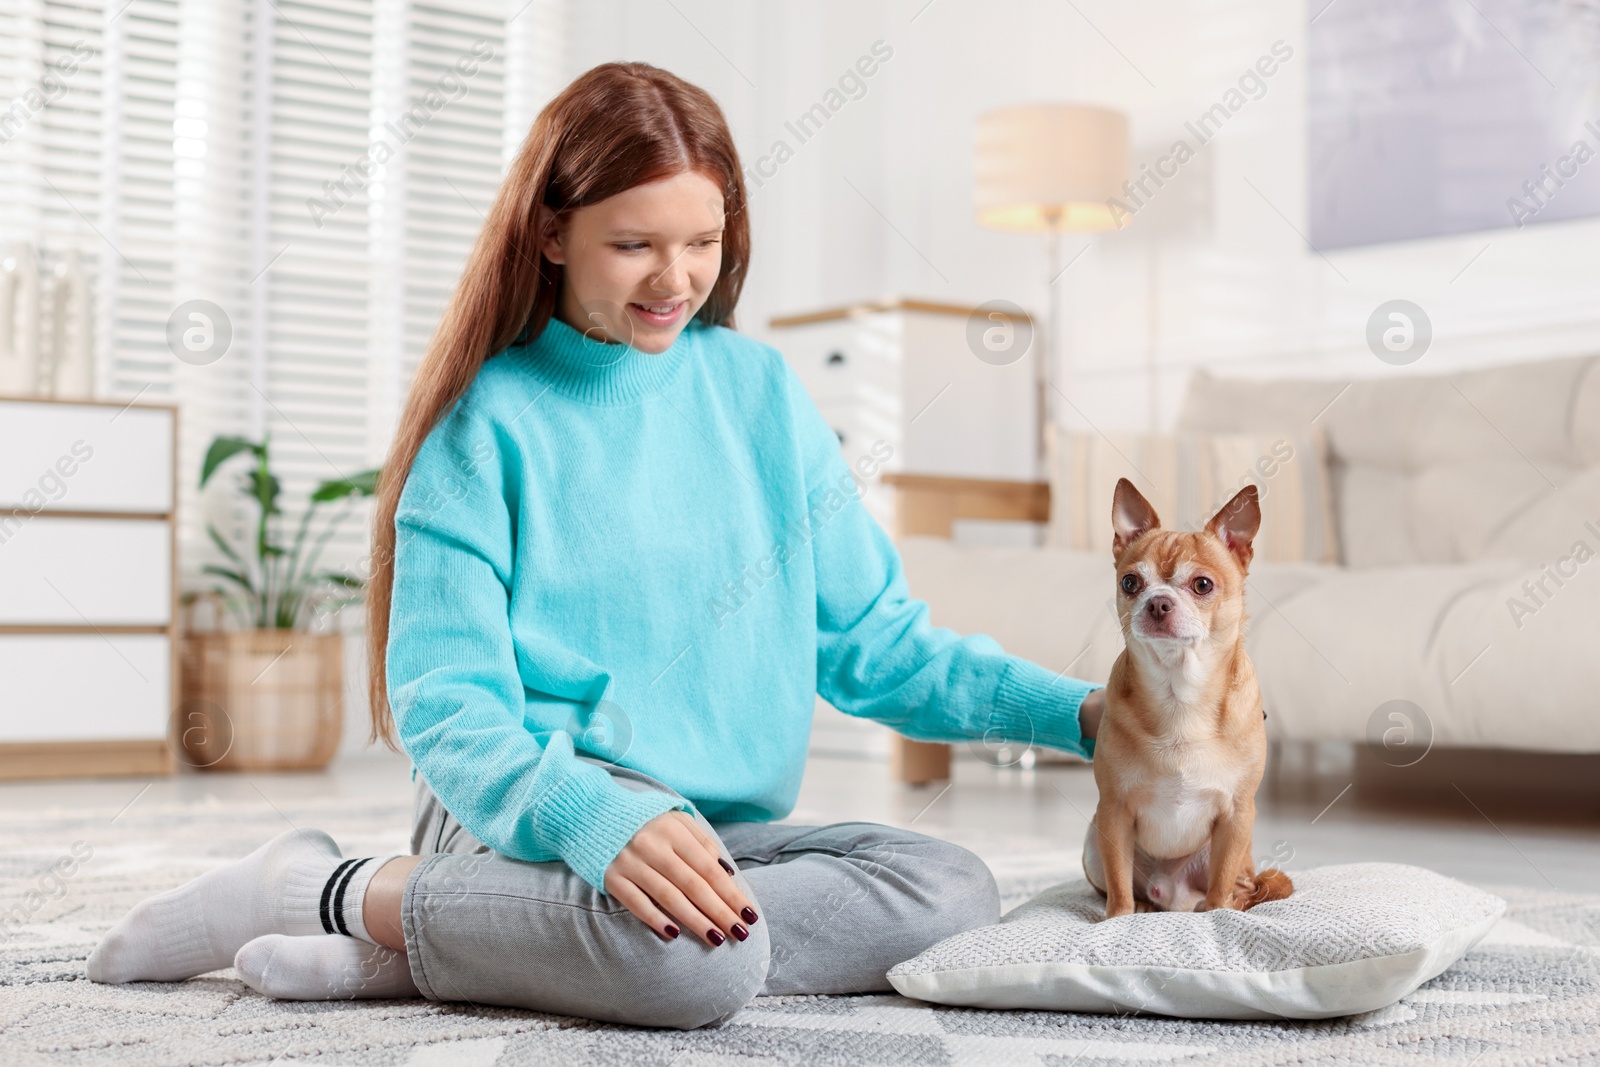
{"points": [[658, 314]]}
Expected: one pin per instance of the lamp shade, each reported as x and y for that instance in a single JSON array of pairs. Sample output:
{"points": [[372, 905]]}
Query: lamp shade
{"points": [[1044, 165]]}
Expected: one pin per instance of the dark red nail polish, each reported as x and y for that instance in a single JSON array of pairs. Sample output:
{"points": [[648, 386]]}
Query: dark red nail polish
{"points": [[725, 865], [748, 915], [740, 932], [672, 931], [716, 937]]}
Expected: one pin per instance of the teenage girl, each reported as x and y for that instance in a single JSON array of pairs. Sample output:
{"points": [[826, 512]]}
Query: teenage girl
{"points": [[617, 554]]}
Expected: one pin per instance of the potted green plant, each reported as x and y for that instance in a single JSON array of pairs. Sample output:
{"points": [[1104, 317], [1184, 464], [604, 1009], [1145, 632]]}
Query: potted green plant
{"points": [[268, 693]]}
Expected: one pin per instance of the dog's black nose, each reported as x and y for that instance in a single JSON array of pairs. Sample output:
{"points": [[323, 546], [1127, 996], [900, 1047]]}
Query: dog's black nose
{"points": [[1159, 606]]}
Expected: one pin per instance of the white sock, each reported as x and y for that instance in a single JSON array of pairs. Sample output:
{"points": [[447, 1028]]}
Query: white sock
{"points": [[324, 967], [198, 927], [345, 905]]}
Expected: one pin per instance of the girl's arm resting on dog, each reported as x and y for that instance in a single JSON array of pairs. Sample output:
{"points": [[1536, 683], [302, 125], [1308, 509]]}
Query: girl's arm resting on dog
{"points": [[878, 654], [457, 691]]}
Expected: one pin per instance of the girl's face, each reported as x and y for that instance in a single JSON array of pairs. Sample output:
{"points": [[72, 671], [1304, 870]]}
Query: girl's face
{"points": [[638, 265]]}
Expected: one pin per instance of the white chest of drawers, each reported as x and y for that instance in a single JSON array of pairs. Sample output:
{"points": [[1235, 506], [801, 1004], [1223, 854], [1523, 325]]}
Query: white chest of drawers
{"points": [[905, 373], [88, 592]]}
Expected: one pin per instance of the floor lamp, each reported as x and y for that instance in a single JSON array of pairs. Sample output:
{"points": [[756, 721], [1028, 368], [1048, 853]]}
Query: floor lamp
{"points": [[1053, 168]]}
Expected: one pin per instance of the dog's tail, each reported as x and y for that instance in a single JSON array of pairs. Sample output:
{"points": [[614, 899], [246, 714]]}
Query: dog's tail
{"points": [[1271, 884]]}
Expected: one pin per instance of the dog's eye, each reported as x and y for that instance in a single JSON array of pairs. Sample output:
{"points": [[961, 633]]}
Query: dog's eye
{"points": [[1130, 584], [1203, 585]]}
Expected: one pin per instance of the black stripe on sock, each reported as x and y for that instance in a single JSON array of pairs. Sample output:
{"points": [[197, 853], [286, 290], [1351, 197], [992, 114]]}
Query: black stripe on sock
{"points": [[338, 897], [327, 895]]}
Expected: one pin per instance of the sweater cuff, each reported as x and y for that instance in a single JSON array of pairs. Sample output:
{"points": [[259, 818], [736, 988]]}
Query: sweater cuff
{"points": [[1036, 706], [589, 818]]}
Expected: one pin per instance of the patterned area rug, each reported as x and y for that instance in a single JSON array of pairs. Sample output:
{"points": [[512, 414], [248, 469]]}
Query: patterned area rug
{"points": [[1529, 994]]}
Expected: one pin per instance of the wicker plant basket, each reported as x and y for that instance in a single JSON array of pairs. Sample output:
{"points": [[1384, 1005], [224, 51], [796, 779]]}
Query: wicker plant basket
{"points": [[260, 700]]}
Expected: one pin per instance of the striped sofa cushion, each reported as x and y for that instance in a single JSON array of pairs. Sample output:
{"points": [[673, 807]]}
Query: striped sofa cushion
{"points": [[1188, 477]]}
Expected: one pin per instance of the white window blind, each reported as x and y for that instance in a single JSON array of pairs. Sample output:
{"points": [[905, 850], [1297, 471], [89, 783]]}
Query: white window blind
{"points": [[454, 162], [311, 305], [137, 195], [50, 148], [317, 170], [86, 166]]}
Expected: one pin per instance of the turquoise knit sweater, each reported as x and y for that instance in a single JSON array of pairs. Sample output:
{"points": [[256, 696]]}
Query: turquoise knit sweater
{"points": [[659, 561]]}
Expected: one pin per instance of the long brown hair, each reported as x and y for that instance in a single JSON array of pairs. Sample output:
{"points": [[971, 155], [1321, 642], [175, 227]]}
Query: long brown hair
{"points": [[616, 126]]}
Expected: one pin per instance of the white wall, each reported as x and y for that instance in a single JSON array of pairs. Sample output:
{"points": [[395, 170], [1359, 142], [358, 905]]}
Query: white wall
{"points": [[1242, 291]]}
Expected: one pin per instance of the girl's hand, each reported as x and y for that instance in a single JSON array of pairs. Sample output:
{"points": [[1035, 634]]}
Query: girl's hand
{"points": [[672, 869], [1089, 713]]}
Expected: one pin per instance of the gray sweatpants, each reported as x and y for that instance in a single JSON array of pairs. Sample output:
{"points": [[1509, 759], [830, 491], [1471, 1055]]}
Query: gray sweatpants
{"points": [[839, 905]]}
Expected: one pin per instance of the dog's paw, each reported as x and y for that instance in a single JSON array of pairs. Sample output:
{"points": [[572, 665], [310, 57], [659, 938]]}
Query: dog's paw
{"points": [[1142, 906], [1227, 905]]}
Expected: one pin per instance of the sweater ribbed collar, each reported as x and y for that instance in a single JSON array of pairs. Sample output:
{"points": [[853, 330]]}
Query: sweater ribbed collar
{"points": [[598, 372]]}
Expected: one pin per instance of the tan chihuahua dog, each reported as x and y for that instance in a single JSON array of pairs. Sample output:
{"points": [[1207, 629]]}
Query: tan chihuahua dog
{"points": [[1182, 746]]}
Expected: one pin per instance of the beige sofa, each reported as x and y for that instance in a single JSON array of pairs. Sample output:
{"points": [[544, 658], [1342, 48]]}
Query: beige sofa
{"points": [[1468, 513]]}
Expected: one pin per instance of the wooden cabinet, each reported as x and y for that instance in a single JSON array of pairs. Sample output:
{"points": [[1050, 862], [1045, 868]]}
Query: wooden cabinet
{"points": [[88, 587], [909, 374]]}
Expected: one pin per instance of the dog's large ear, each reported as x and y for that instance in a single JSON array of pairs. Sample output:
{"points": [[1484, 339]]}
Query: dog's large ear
{"points": [[1236, 524], [1131, 516]]}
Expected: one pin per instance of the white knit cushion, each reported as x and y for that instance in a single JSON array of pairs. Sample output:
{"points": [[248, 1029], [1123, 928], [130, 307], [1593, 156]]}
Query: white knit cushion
{"points": [[1351, 938]]}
